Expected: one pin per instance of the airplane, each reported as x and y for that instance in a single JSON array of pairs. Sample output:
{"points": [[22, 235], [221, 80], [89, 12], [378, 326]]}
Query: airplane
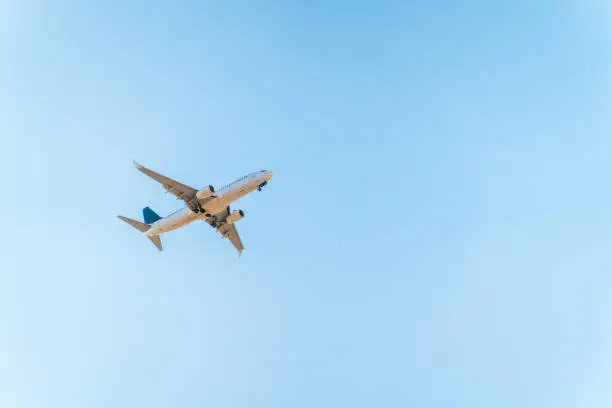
{"points": [[208, 205]]}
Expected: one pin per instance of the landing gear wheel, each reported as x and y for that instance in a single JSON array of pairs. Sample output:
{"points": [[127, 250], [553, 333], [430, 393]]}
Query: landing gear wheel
{"points": [[213, 224], [196, 210]]}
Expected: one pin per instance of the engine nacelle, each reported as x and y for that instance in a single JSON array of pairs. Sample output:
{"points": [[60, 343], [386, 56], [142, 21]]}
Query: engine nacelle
{"points": [[205, 192], [235, 216]]}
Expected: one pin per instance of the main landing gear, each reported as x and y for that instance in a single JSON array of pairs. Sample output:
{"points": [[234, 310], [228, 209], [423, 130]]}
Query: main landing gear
{"points": [[198, 209]]}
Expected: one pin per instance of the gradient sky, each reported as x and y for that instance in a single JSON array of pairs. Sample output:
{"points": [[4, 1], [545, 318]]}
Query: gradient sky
{"points": [[438, 232]]}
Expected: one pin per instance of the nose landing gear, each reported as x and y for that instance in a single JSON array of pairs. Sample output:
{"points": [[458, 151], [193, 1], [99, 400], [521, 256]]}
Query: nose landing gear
{"points": [[262, 185]]}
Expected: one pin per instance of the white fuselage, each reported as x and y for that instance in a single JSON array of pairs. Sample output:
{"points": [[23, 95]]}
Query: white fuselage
{"points": [[223, 198]]}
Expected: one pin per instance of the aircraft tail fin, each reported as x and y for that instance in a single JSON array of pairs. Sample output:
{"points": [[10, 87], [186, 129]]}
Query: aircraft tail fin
{"points": [[149, 215]]}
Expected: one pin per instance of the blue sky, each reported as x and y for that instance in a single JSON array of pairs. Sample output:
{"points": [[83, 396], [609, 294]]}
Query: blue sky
{"points": [[437, 233]]}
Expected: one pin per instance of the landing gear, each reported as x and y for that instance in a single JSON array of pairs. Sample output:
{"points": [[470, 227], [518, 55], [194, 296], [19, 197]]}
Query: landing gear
{"points": [[213, 224], [262, 185], [197, 208]]}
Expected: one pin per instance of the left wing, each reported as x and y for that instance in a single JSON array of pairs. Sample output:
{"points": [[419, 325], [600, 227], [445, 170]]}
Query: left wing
{"points": [[226, 230], [179, 190]]}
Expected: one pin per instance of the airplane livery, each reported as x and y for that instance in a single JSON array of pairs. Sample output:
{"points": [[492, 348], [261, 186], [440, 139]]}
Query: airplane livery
{"points": [[208, 205]]}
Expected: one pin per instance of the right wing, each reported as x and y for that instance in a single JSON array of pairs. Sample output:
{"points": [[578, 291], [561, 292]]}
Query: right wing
{"points": [[226, 230], [179, 190], [230, 232]]}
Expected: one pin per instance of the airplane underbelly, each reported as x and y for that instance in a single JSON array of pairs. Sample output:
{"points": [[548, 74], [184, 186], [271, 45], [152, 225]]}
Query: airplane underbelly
{"points": [[180, 224], [220, 203], [217, 204], [178, 221]]}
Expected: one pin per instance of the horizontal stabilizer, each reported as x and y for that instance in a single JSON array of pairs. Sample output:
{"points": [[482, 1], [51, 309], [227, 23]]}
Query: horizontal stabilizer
{"points": [[140, 226], [156, 240]]}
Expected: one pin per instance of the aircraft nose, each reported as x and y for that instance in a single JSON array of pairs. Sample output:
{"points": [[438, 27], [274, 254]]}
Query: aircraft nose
{"points": [[270, 175]]}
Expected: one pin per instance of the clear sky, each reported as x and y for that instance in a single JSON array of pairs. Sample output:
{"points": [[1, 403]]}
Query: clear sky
{"points": [[438, 232]]}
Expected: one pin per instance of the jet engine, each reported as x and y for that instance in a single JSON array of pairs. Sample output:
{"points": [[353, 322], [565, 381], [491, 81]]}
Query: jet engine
{"points": [[235, 216], [205, 192]]}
